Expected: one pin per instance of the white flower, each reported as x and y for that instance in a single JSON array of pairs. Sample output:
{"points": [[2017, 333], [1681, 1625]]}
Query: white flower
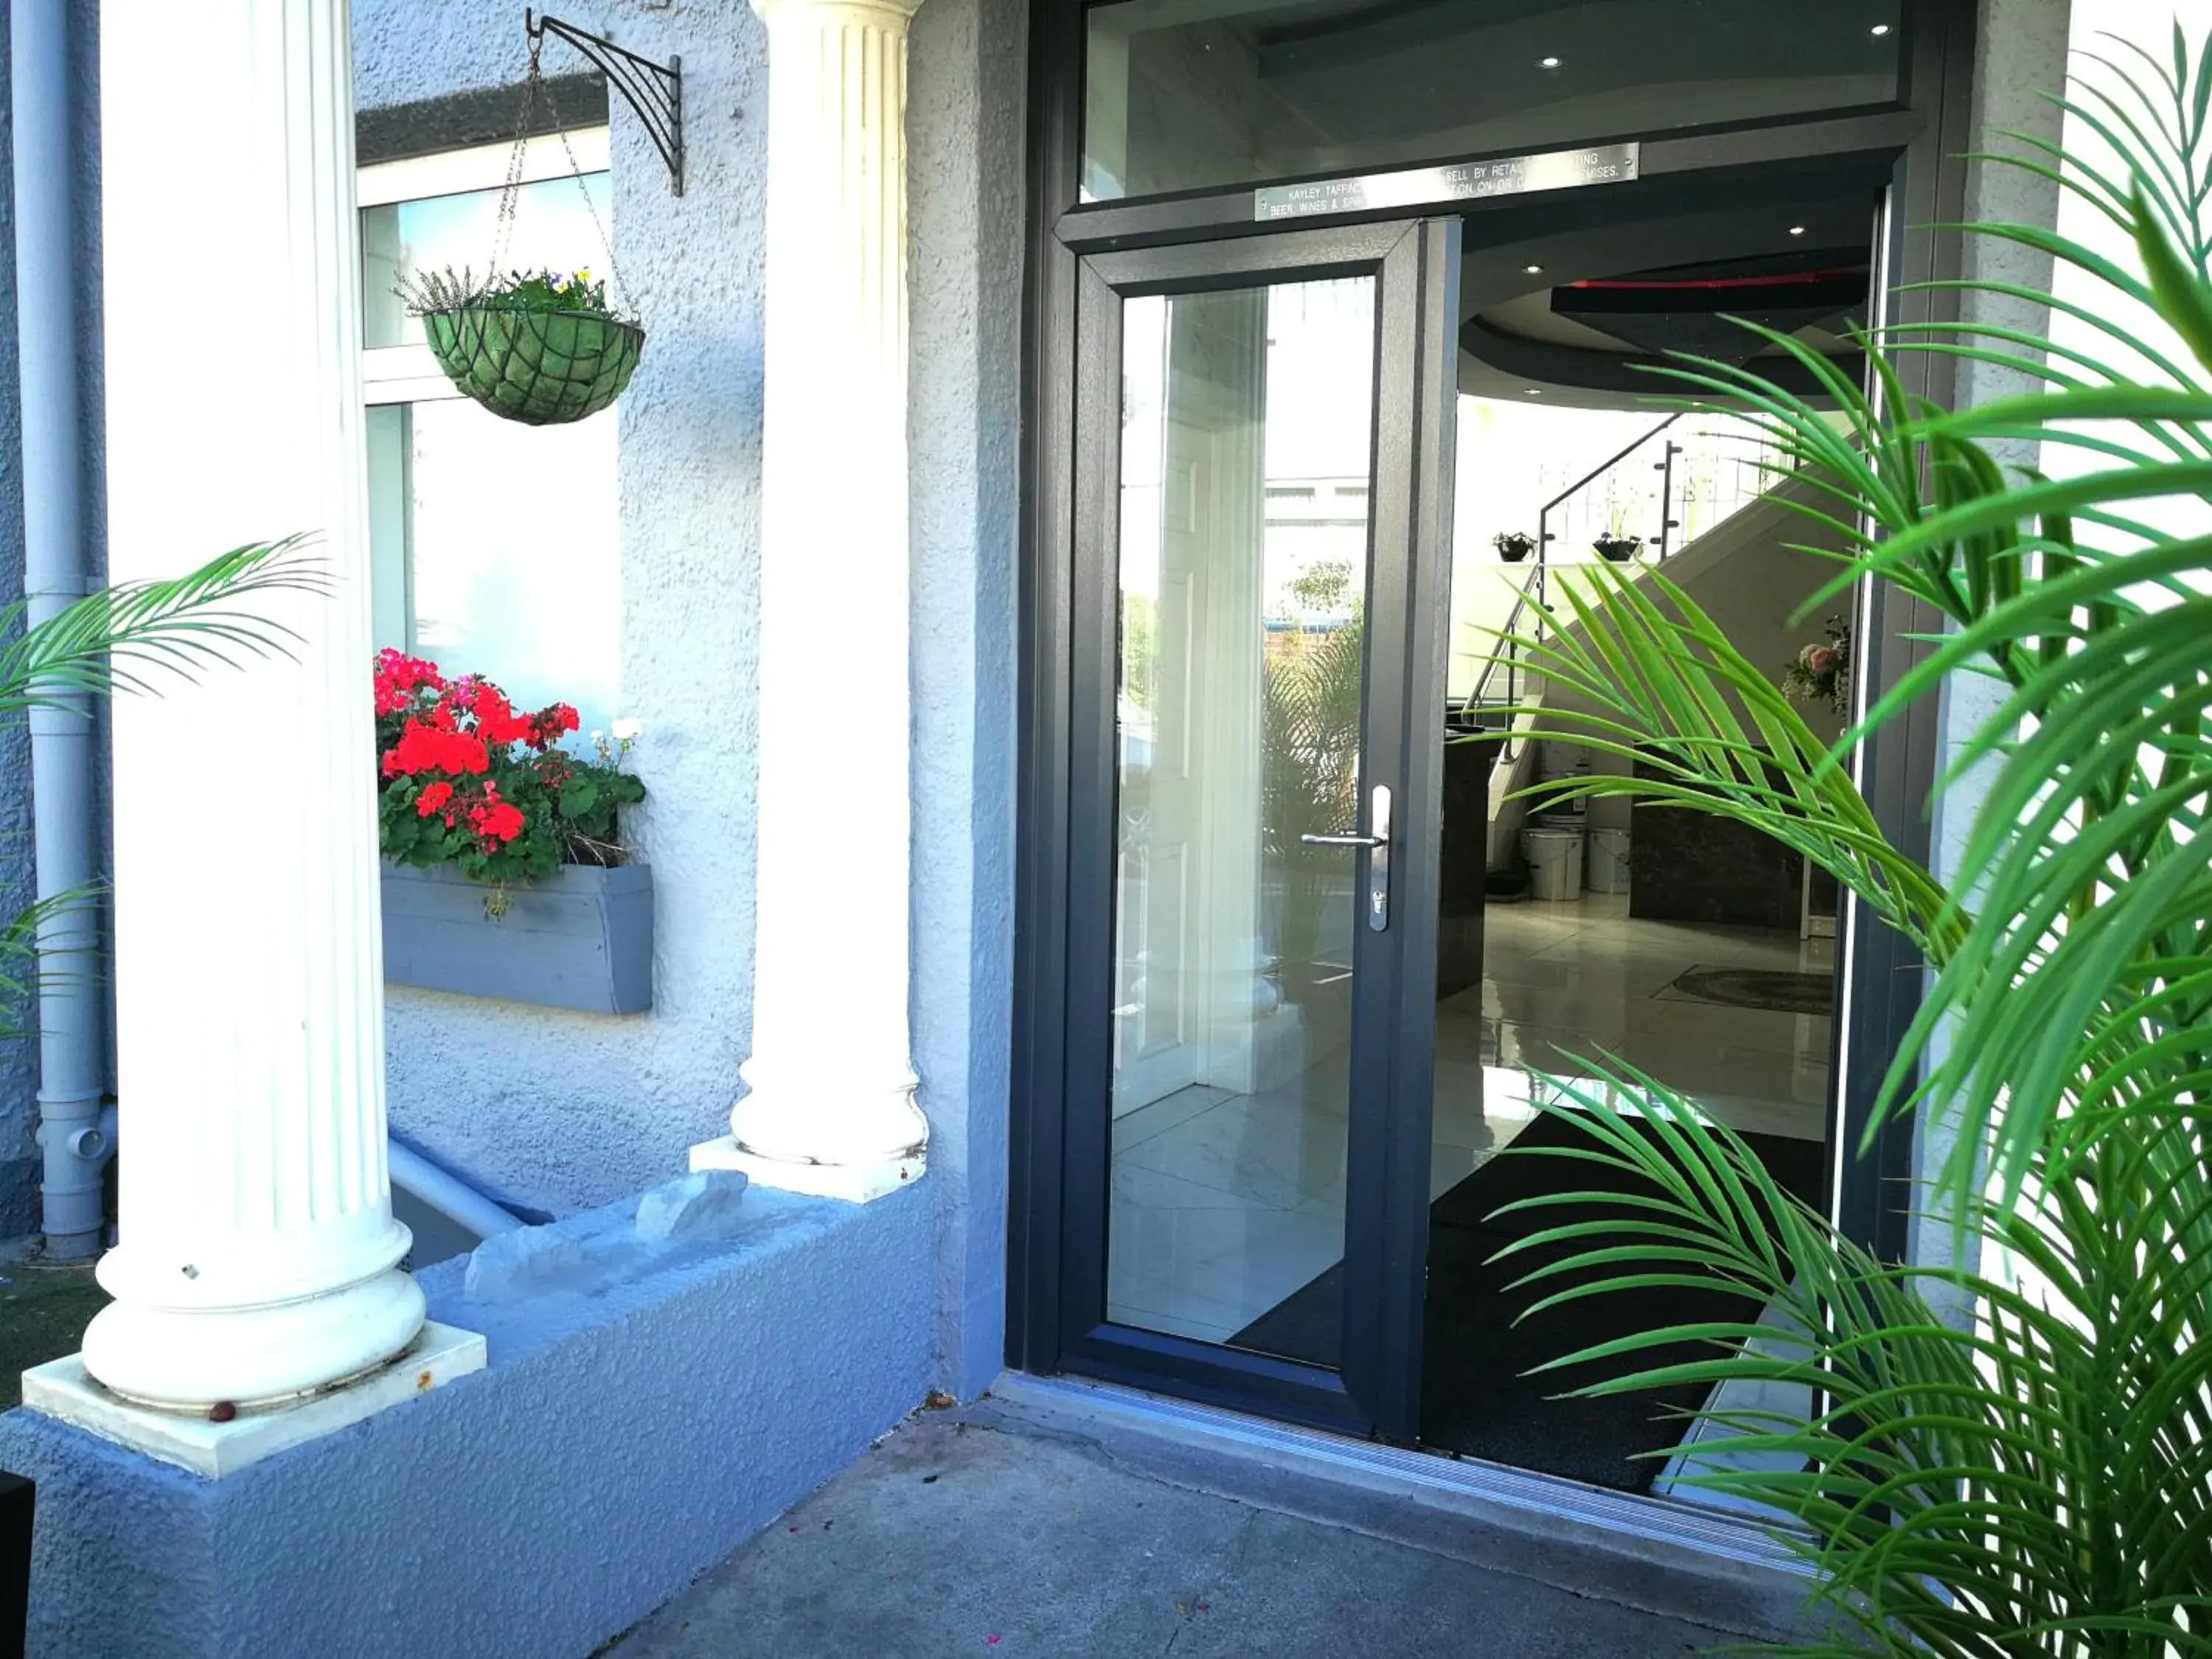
{"points": [[599, 739], [626, 731]]}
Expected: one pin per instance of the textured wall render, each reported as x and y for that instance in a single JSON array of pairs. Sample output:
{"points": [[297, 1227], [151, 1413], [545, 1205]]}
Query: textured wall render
{"points": [[569, 1110], [19, 1069], [621, 1441], [2020, 58], [965, 98]]}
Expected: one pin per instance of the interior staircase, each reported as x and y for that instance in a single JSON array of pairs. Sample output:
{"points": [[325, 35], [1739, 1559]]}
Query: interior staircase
{"points": [[1697, 495]]}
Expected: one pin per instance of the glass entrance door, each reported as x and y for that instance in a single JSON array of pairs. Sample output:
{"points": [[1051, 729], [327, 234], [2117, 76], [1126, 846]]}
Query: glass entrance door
{"points": [[1259, 492]]}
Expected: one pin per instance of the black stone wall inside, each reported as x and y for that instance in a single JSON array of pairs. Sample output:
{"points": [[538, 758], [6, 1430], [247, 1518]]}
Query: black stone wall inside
{"points": [[1688, 865], [1466, 861]]}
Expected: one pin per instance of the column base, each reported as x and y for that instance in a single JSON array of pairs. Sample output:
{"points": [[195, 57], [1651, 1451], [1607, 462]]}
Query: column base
{"points": [[856, 1183], [183, 1359], [64, 1390]]}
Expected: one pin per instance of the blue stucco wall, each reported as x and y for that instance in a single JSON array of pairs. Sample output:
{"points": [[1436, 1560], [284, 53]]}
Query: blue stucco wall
{"points": [[620, 1441], [966, 90], [566, 1110], [19, 1068], [18, 1079]]}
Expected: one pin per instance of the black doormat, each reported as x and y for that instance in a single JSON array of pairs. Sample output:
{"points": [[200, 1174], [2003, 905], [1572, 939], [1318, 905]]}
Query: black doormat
{"points": [[1783, 992], [1476, 1397]]}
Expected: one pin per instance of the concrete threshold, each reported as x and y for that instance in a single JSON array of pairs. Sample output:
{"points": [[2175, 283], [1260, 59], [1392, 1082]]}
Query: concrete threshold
{"points": [[1659, 1555]]}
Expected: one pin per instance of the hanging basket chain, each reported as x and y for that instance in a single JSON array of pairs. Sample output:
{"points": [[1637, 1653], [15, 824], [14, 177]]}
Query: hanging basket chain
{"points": [[534, 91], [618, 291], [528, 361], [510, 192]]}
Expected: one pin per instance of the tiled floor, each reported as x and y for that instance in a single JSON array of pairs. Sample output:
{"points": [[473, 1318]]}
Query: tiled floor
{"points": [[1223, 1204]]}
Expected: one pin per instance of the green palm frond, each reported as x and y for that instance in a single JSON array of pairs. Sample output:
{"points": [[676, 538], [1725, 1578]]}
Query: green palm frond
{"points": [[136, 636], [1997, 1487], [1716, 734], [2013, 1456], [29, 970], [131, 636]]}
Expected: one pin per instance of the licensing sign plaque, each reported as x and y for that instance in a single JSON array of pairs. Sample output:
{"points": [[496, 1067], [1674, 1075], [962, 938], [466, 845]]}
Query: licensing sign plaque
{"points": [[1514, 175]]}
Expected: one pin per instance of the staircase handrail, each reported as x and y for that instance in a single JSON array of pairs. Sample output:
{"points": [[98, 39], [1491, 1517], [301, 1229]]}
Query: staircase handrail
{"points": [[1610, 462]]}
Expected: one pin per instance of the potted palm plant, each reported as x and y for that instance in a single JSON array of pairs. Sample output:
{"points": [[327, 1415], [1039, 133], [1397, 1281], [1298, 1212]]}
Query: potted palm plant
{"points": [[2012, 1449]]}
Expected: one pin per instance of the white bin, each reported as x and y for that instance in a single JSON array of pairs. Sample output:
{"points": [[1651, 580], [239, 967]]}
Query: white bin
{"points": [[1609, 861], [1555, 865]]}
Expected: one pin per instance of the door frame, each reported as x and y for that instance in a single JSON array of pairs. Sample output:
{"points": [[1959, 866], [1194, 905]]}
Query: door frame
{"points": [[1414, 265], [1920, 142]]}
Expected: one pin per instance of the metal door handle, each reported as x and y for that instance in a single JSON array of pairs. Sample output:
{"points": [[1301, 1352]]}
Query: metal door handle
{"points": [[1377, 846]]}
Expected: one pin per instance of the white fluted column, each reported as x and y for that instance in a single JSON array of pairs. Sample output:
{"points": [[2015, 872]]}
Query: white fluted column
{"points": [[258, 1255], [830, 1104]]}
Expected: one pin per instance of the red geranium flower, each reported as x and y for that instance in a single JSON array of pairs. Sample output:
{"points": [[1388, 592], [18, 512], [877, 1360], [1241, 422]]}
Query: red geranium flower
{"points": [[399, 676], [426, 748], [456, 751]]}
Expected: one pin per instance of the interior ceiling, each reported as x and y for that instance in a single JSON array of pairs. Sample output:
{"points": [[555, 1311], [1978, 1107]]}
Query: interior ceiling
{"points": [[1617, 291], [1411, 65]]}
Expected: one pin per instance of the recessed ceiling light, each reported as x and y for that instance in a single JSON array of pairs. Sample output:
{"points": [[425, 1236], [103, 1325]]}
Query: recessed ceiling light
{"points": [[1533, 391], [1880, 29], [1796, 230], [1547, 63], [1532, 269]]}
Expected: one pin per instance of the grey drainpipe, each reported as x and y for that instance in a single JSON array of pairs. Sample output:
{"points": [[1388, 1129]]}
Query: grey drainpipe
{"points": [[71, 1063]]}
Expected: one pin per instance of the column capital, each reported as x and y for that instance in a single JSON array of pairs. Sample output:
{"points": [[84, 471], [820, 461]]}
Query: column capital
{"points": [[886, 9]]}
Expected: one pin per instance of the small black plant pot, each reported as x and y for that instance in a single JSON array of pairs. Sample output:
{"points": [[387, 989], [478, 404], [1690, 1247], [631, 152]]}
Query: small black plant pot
{"points": [[1514, 548], [1619, 549]]}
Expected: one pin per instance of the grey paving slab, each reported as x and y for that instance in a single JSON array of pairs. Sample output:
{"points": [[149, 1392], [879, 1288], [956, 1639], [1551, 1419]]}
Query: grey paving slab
{"points": [[951, 1539]]}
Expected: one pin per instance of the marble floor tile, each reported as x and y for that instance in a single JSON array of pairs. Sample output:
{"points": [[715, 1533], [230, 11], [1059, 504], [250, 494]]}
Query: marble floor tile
{"points": [[1224, 1204], [1273, 1149], [1134, 1128]]}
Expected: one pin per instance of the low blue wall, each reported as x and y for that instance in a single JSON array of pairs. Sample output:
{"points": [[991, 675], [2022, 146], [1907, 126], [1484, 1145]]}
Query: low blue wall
{"points": [[625, 1436]]}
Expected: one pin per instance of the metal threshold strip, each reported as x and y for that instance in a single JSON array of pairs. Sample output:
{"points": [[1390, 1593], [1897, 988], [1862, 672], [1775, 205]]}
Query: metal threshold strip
{"points": [[1661, 1554]]}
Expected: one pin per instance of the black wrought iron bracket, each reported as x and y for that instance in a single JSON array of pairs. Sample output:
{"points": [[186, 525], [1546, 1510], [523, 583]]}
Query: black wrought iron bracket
{"points": [[654, 91]]}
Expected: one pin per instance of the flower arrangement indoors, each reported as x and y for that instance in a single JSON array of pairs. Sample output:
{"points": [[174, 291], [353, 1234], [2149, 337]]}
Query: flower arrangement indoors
{"points": [[1822, 673], [465, 779]]}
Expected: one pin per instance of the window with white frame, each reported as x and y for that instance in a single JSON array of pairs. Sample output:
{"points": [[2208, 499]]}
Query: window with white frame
{"points": [[495, 547]]}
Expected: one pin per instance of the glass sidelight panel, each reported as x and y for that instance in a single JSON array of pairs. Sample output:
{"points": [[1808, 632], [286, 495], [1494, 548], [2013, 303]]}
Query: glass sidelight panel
{"points": [[1247, 466]]}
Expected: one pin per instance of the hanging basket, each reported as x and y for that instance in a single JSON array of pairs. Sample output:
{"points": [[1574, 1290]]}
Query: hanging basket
{"points": [[541, 368]]}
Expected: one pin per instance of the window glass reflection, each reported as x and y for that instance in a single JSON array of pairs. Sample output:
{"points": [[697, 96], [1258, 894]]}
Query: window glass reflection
{"points": [[552, 231], [482, 568], [1247, 455]]}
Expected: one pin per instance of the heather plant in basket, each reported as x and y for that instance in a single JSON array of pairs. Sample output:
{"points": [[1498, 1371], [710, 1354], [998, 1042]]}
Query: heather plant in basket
{"points": [[465, 779]]}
